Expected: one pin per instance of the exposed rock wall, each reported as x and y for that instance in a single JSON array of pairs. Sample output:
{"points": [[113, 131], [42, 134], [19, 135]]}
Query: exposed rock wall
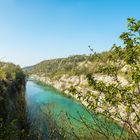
{"points": [[12, 102]]}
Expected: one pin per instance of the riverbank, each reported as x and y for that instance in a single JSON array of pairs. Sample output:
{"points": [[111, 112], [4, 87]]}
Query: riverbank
{"points": [[80, 83], [68, 117], [65, 82]]}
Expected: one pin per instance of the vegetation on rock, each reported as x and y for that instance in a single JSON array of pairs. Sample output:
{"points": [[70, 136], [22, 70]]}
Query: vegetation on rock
{"points": [[13, 119]]}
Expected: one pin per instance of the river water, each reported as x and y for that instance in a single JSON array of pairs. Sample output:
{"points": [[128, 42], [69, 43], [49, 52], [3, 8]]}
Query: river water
{"points": [[52, 115]]}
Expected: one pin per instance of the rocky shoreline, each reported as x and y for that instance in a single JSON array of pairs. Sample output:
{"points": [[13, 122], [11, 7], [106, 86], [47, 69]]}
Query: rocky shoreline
{"points": [[81, 84]]}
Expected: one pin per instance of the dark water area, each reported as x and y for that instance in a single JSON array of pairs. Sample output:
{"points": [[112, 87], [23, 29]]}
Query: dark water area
{"points": [[50, 109]]}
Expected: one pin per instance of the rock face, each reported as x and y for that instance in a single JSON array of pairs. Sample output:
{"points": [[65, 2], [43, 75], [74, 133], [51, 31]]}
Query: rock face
{"points": [[13, 116], [12, 102]]}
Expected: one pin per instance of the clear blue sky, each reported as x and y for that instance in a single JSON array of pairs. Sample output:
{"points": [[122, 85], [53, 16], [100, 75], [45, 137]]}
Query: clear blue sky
{"points": [[34, 30]]}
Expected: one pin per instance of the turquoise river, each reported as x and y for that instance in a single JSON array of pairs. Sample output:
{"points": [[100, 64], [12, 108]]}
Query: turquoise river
{"points": [[52, 114]]}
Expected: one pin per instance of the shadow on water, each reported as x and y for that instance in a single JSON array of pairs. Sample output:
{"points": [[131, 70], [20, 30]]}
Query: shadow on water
{"points": [[55, 116]]}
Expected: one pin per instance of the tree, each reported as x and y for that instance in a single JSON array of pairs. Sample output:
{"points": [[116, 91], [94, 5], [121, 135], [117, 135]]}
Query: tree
{"points": [[115, 97]]}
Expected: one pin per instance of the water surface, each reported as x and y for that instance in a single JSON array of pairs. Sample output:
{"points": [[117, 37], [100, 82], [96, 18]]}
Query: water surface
{"points": [[47, 107]]}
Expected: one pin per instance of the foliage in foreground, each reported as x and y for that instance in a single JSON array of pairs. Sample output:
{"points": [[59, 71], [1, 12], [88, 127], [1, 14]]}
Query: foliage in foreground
{"points": [[122, 103]]}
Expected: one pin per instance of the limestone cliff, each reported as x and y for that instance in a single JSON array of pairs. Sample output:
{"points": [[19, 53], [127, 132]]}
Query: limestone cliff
{"points": [[12, 102]]}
